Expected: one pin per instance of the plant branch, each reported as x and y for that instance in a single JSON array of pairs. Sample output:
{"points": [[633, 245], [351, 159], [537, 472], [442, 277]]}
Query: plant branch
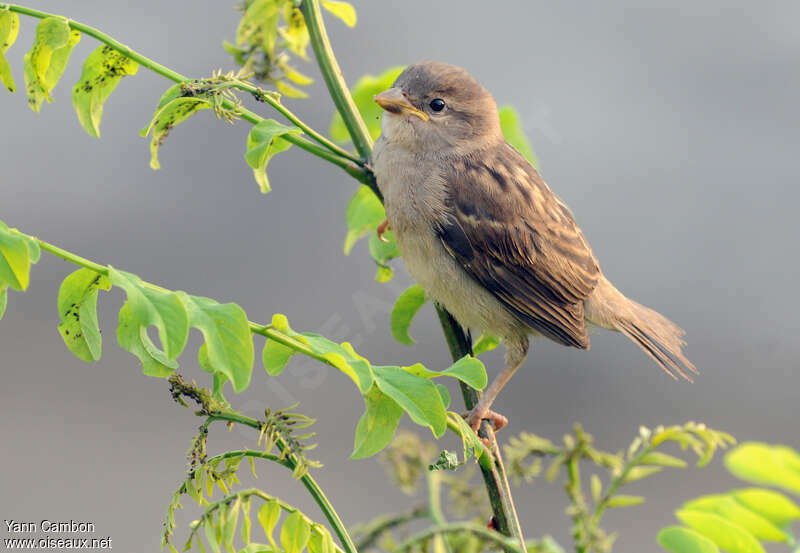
{"points": [[334, 78], [241, 495], [310, 484], [434, 481], [494, 476], [421, 511], [329, 152], [460, 528]]}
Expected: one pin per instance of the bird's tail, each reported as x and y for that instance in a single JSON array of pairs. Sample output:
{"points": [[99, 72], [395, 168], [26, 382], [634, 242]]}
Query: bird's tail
{"points": [[658, 337]]}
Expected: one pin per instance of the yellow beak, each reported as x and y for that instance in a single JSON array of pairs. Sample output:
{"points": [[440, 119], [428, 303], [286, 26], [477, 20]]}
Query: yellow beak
{"points": [[394, 101]]}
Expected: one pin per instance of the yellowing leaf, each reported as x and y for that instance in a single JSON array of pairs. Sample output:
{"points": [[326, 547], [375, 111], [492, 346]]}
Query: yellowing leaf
{"points": [[172, 113], [677, 539], [101, 73], [727, 535], [9, 28], [343, 10], [77, 307], [47, 59]]}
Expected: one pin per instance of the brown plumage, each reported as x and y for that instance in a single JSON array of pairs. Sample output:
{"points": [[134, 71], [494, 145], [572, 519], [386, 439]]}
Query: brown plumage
{"points": [[484, 235]]}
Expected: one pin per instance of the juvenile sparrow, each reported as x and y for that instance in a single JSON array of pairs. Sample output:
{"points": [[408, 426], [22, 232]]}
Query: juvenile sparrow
{"points": [[485, 237]]}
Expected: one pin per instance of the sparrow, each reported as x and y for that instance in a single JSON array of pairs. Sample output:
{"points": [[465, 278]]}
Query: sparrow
{"points": [[486, 238]]}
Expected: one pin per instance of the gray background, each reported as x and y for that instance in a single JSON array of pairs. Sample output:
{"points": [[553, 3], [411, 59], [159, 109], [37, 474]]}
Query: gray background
{"points": [[670, 130]]}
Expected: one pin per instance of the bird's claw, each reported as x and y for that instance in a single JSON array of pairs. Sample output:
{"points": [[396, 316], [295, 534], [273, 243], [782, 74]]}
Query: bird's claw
{"points": [[476, 415], [382, 228]]}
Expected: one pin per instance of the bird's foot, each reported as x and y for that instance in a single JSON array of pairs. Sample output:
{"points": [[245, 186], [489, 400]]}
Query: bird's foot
{"points": [[479, 414], [382, 228]]}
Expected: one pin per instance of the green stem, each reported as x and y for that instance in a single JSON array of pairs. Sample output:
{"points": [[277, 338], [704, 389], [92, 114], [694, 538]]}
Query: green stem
{"points": [[256, 328], [434, 480], [374, 533], [460, 528], [494, 476], [575, 494], [311, 485], [334, 78], [241, 495], [331, 152]]}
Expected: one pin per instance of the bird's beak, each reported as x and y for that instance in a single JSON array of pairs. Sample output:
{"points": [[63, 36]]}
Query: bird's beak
{"points": [[394, 100]]}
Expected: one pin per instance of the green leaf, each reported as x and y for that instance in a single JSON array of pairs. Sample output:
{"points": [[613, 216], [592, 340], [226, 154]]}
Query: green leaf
{"points": [[403, 312], [597, 488], [469, 370], [268, 515], [15, 259], [263, 142], [3, 299], [364, 213], [677, 539], [343, 10], [766, 464], [363, 93], [133, 338], [9, 29], [773, 506], [295, 533], [341, 356], [101, 73], [735, 512], [659, 459], [171, 114], [383, 251], [231, 521], [211, 535], [77, 307], [485, 342], [276, 356], [161, 309], [417, 396], [444, 393], [469, 440], [321, 541], [447, 461], [637, 473], [228, 340], [625, 501], [259, 25], [377, 425], [246, 513], [47, 59], [727, 535], [514, 135]]}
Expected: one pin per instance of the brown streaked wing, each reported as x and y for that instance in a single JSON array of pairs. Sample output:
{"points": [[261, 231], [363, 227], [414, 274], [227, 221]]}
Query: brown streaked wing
{"points": [[514, 236]]}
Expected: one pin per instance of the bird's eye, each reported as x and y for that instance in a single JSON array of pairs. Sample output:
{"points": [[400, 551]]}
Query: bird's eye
{"points": [[437, 104]]}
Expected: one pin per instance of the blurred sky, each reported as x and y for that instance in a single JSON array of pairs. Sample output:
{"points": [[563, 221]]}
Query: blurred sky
{"points": [[670, 128]]}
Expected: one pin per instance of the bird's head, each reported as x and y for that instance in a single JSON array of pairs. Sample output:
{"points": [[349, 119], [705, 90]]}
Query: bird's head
{"points": [[438, 108]]}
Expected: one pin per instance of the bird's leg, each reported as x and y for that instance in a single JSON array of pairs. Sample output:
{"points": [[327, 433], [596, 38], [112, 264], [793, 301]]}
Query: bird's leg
{"points": [[515, 356], [382, 228]]}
